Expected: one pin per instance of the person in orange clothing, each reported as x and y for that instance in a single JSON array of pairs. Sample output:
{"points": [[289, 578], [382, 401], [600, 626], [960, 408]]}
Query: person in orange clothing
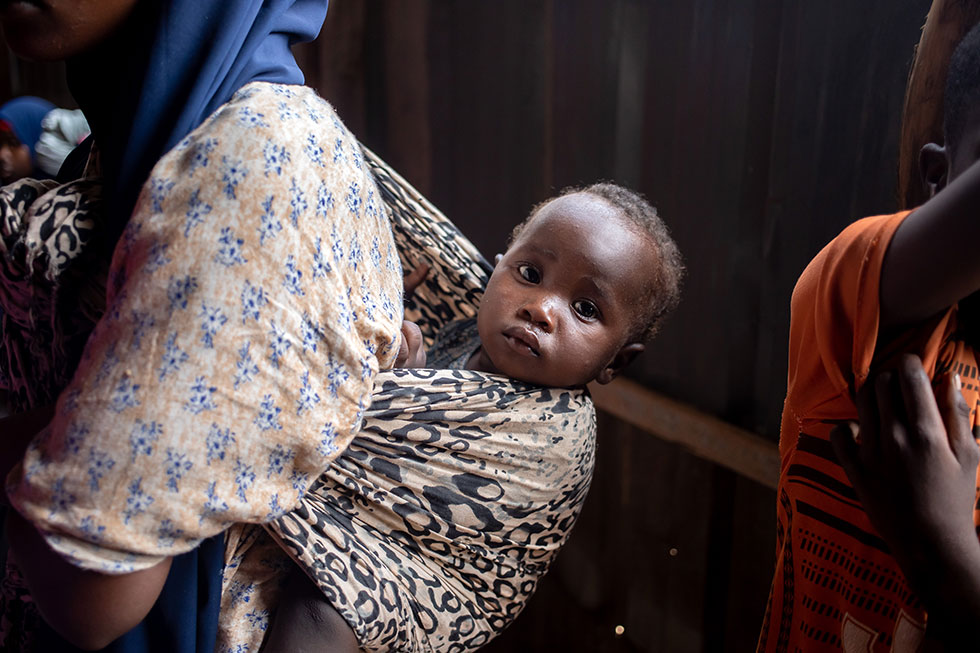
{"points": [[849, 575]]}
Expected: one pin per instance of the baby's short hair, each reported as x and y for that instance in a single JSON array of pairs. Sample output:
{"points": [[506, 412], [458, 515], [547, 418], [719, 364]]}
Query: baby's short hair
{"points": [[663, 287]]}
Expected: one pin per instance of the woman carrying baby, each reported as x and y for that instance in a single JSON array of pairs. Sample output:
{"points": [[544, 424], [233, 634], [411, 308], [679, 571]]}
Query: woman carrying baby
{"points": [[218, 284]]}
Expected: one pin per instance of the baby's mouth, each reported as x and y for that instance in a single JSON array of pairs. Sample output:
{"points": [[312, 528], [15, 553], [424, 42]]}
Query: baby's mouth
{"points": [[523, 339]]}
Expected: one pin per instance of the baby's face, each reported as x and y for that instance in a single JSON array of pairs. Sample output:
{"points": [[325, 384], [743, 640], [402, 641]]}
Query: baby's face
{"points": [[565, 298]]}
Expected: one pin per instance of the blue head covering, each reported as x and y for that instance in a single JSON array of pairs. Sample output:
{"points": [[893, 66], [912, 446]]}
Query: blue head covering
{"points": [[24, 115], [169, 66]]}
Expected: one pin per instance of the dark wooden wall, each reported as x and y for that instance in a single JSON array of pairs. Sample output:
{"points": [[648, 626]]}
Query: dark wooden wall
{"points": [[759, 128]]}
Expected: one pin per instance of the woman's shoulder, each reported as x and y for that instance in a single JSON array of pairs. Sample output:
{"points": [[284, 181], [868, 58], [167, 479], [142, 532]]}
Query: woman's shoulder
{"points": [[264, 111], [265, 136], [285, 102]]}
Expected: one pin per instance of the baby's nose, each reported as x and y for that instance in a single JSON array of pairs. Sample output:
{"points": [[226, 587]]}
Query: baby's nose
{"points": [[541, 312]]}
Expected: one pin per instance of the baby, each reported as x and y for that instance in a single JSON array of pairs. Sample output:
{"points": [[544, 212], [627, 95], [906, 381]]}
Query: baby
{"points": [[585, 281]]}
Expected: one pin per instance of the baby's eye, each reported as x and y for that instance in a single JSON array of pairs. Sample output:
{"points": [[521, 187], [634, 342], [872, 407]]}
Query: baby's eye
{"points": [[586, 309], [529, 273]]}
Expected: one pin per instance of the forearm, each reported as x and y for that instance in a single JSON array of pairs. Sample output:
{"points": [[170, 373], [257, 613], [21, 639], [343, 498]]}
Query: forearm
{"points": [[87, 608], [929, 265]]}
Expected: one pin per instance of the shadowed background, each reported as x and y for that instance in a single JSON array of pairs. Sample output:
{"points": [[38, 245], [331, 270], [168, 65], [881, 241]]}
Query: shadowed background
{"points": [[759, 128]]}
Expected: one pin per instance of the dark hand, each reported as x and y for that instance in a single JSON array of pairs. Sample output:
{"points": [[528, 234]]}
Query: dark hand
{"points": [[913, 465], [411, 353]]}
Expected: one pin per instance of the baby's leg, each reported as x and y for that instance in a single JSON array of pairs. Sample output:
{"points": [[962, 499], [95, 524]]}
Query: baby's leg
{"points": [[306, 623]]}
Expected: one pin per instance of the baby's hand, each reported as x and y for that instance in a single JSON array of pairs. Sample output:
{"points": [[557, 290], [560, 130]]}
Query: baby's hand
{"points": [[411, 353]]}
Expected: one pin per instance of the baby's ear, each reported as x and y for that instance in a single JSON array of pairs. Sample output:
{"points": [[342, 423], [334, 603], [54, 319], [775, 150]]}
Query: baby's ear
{"points": [[623, 357]]}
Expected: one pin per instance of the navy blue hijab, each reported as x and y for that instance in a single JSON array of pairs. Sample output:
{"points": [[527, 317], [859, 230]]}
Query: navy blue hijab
{"points": [[171, 65]]}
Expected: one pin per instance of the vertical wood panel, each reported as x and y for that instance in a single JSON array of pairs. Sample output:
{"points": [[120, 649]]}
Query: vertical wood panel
{"points": [[759, 128], [335, 63]]}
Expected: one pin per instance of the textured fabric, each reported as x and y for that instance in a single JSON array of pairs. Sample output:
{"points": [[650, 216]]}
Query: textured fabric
{"points": [[432, 529], [458, 273], [532, 446], [158, 78], [836, 586], [24, 115], [52, 283], [170, 66], [236, 355], [454, 344]]}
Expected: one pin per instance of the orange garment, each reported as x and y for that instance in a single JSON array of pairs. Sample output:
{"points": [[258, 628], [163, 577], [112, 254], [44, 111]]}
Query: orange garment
{"points": [[836, 586]]}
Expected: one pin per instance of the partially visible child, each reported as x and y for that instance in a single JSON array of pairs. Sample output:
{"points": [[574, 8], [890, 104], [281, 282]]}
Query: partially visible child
{"points": [[36, 137], [586, 279], [886, 287]]}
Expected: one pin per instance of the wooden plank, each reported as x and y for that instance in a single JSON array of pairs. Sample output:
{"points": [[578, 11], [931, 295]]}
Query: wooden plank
{"points": [[707, 437]]}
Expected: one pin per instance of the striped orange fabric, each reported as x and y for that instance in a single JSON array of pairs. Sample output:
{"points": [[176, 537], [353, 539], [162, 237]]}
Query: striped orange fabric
{"points": [[836, 586]]}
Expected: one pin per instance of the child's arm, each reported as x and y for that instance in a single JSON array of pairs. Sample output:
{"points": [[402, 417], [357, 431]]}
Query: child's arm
{"points": [[932, 260], [87, 608], [914, 470]]}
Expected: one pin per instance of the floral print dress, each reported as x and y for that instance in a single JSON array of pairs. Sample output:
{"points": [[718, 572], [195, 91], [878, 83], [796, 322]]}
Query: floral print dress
{"points": [[250, 302]]}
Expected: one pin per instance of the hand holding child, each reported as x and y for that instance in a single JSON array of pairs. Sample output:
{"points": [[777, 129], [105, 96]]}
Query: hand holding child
{"points": [[914, 467], [411, 352]]}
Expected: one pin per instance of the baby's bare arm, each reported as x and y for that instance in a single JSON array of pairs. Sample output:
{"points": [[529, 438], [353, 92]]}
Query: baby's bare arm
{"points": [[411, 349]]}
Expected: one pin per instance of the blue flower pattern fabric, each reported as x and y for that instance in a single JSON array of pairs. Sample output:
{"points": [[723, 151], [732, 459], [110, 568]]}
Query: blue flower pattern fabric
{"points": [[252, 299]]}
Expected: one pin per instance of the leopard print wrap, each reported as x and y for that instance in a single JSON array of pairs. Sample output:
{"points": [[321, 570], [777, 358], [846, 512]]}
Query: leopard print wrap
{"points": [[432, 529], [52, 280], [458, 272]]}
